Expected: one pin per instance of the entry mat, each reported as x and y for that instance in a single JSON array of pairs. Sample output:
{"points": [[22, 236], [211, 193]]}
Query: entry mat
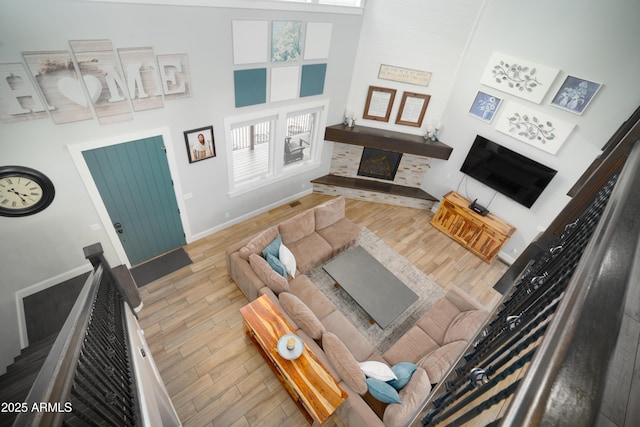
{"points": [[159, 267]]}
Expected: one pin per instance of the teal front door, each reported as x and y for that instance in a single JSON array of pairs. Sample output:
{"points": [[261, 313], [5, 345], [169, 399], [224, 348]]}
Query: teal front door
{"points": [[135, 184]]}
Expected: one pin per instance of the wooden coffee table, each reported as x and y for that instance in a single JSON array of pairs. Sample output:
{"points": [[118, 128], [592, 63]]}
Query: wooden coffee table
{"points": [[311, 386]]}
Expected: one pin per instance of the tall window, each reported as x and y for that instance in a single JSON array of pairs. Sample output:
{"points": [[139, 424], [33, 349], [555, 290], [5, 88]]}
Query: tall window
{"points": [[299, 137], [250, 152], [268, 146]]}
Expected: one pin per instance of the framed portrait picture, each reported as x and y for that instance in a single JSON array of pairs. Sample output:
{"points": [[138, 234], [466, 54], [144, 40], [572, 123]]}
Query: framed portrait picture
{"points": [[484, 107], [575, 94], [412, 109], [200, 144], [379, 103]]}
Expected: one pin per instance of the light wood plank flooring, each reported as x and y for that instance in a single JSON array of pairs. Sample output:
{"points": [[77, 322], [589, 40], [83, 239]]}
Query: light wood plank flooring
{"points": [[213, 373]]}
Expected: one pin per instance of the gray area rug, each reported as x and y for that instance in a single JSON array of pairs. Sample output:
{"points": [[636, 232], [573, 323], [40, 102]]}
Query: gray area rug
{"points": [[427, 290]]}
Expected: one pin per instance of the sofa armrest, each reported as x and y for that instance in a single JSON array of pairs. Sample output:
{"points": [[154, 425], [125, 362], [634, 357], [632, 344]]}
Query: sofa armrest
{"points": [[413, 396], [244, 276], [463, 300]]}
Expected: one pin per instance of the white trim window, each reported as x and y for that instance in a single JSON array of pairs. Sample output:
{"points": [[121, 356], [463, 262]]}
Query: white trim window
{"points": [[268, 146]]}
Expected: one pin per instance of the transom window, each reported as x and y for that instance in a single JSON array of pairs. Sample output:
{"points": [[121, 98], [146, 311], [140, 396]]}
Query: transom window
{"points": [[268, 146]]}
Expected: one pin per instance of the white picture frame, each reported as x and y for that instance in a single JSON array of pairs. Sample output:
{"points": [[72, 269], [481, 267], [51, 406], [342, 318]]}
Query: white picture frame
{"points": [[533, 127], [519, 77]]}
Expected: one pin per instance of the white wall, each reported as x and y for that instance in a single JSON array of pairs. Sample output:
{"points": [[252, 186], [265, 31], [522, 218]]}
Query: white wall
{"points": [[425, 35], [49, 244], [590, 39]]}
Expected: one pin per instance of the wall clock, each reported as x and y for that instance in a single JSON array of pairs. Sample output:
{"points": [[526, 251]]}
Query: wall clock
{"points": [[24, 191]]}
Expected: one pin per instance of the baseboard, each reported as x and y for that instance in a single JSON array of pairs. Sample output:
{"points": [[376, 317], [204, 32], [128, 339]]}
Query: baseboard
{"points": [[30, 290], [507, 259], [251, 214]]}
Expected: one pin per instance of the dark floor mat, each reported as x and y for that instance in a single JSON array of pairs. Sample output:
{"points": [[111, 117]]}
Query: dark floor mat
{"points": [[159, 267]]}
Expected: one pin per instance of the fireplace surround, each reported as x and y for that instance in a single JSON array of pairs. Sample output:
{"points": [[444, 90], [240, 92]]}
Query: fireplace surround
{"points": [[405, 188]]}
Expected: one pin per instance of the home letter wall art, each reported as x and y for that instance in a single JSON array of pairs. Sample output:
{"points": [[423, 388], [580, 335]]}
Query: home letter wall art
{"points": [[74, 86]]}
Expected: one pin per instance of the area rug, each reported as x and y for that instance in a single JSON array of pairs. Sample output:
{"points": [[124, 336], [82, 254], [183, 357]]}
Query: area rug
{"points": [[159, 267], [427, 290]]}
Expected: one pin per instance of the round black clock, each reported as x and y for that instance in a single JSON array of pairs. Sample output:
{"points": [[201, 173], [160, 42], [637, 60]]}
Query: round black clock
{"points": [[24, 191]]}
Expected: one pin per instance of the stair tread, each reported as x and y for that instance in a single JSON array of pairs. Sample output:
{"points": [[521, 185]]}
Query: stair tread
{"points": [[37, 346], [17, 381]]}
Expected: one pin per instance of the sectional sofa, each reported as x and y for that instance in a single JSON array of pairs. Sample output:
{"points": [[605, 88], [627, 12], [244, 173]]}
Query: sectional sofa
{"points": [[430, 347]]}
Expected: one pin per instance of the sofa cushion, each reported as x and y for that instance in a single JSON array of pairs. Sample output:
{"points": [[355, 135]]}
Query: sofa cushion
{"points": [[340, 235], [378, 370], [438, 362], [413, 396], [287, 258], [411, 346], [465, 325], [311, 296], [258, 243], [382, 391], [343, 362], [329, 213], [273, 248], [268, 275], [403, 371], [437, 319], [310, 251], [301, 315], [277, 266], [297, 227], [358, 345]]}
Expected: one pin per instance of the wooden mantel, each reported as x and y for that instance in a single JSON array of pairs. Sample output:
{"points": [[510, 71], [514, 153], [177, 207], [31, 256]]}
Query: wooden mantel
{"points": [[387, 140]]}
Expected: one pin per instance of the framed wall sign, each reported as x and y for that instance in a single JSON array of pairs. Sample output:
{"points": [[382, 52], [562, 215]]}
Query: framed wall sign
{"points": [[404, 75], [379, 103], [200, 144], [412, 109]]}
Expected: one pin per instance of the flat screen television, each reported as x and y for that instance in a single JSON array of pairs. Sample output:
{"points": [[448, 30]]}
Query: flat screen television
{"points": [[506, 171]]}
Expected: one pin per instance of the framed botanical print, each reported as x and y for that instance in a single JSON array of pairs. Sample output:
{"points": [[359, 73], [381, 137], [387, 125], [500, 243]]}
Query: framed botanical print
{"points": [[575, 94], [200, 144], [379, 103], [484, 106]]}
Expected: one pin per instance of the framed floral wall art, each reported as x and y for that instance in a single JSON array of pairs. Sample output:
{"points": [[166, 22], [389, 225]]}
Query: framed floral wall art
{"points": [[519, 77], [575, 94], [533, 127], [484, 107]]}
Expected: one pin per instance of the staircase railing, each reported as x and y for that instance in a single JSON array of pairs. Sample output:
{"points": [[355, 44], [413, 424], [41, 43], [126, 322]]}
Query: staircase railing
{"points": [[543, 357], [91, 375]]}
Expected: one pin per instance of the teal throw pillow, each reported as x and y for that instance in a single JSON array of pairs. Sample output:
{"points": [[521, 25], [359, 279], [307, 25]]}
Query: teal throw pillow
{"points": [[383, 391], [277, 265], [273, 248], [404, 371]]}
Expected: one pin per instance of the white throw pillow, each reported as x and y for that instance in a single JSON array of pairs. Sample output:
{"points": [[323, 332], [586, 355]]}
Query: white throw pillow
{"points": [[287, 258], [377, 370]]}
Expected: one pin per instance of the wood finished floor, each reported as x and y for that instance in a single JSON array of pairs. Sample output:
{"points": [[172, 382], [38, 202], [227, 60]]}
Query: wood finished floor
{"points": [[213, 373]]}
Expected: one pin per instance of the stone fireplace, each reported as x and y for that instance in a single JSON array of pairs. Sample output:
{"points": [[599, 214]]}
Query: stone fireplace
{"points": [[346, 162], [390, 173]]}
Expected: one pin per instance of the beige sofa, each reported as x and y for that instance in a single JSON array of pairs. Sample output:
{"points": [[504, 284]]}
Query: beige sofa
{"points": [[434, 343]]}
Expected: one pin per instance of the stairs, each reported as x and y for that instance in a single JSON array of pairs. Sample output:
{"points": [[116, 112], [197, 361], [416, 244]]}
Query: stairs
{"points": [[16, 382]]}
